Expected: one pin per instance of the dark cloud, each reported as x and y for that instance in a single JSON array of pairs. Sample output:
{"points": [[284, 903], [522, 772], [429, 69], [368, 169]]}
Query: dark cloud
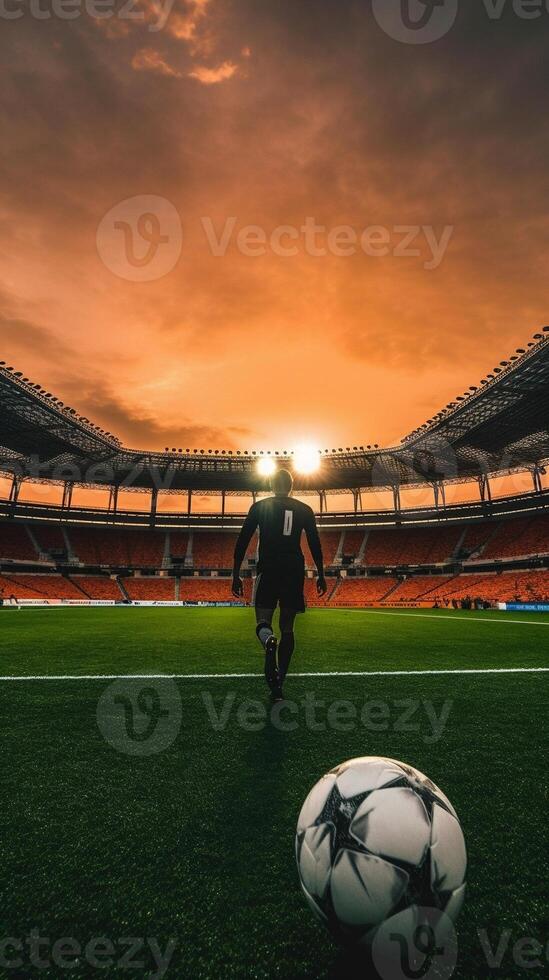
{"points": [[139, 429]]}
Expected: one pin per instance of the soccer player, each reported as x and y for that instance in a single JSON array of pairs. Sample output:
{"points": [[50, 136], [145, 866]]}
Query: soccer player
{"points": [[281, 521]]}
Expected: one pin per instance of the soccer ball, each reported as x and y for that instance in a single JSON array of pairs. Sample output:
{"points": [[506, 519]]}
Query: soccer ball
{"points": [[380, 852]]}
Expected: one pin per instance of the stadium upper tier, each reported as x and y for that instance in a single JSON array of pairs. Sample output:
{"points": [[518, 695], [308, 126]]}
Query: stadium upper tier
{"points": [[494, 540], [496, 427]]}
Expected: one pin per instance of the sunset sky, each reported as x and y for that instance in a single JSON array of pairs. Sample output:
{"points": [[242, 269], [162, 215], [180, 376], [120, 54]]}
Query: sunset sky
{"points": [[269, 112]]}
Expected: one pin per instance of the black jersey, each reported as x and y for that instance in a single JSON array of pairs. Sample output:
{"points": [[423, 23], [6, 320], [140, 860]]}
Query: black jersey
{"points": [[281, 522]]}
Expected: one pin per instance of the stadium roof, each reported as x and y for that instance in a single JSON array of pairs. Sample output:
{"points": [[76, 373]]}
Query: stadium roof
{"points": [[498, 427]]}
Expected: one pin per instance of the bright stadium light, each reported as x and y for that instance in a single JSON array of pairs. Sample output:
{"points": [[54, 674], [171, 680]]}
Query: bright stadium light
{"points": [[266, 466], [306, 459]]}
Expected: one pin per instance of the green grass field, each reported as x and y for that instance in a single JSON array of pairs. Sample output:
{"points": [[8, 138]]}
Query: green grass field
{"points": [[194, 841]]}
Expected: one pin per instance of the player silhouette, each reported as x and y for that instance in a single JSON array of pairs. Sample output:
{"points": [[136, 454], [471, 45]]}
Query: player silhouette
{"points": [[281, 571]]}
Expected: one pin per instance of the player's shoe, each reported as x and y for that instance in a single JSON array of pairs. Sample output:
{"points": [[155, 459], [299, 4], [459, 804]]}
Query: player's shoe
{"points": [[271, 672]]}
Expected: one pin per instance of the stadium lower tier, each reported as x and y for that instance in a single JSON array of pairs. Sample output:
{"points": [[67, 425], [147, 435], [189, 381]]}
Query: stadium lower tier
{"points": [[442, 590], [102, 547]]}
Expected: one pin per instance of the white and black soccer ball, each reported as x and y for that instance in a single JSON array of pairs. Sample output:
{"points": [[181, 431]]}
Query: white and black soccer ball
{"points": [[380, 851]]}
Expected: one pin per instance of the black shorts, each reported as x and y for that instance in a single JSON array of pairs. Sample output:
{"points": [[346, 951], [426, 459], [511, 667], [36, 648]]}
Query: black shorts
{"points": [[282, 586]]}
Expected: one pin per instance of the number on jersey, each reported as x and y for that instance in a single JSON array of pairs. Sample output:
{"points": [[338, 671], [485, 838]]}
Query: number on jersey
{"points": [[288, 523]]}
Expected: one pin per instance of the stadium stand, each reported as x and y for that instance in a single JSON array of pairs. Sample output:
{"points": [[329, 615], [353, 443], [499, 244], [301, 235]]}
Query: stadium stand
{"points": [[145, 548], [40, 586], [118, 549], [511, 540], [418, 546], [98, 587], [312, 597], [150, 589], [530, 586], [15, 543], [361, 591], [490, 587], [352, 544], [330, 545], [49, 539], [420, 587], [475, 539], [179, 543], [519, 538], [213, 550]]}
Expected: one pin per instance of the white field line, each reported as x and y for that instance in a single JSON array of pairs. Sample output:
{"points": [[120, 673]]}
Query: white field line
{"points": [[212, 677], [450, 618]]}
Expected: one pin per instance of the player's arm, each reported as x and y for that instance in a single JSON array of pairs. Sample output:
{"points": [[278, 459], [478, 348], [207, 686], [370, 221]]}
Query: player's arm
{"points": [[313, 540], [246, 534]]}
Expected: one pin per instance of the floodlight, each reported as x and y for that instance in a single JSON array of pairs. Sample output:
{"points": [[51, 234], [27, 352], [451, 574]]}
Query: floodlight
{"points": [[266, 466], [306, 459]]}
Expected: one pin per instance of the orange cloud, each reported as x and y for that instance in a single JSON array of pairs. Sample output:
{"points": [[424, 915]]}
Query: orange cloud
{"points": [[213, 76], [147, 59], [184, 25]]}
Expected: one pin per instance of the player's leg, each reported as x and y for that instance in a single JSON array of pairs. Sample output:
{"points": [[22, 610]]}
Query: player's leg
{"points": [[292, 602], [265, 601], [265, 635], [287, 641]]}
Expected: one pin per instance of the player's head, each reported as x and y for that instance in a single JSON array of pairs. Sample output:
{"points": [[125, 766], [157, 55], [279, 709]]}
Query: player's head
{"points": [[282, 483]]}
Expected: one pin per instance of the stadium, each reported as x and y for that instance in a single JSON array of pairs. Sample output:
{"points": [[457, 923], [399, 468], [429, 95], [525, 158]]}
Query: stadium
{"points": [[133, 688], [483, 552]]}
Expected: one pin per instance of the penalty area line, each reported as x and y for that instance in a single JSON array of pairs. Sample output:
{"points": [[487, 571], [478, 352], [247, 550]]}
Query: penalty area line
{"points": [[211, 677]]}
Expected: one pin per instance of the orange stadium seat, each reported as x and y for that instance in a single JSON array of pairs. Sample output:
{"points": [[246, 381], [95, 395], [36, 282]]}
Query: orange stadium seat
{"points": [[517, 538], [126, 549], [330, 543], [416, 546], [212, 590], [213, 549], [361, 591], [312, 598], [530, 586], [98, 587], [420, 587], [39, 587], [179, 543], [522, 586], [15, 543]]}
